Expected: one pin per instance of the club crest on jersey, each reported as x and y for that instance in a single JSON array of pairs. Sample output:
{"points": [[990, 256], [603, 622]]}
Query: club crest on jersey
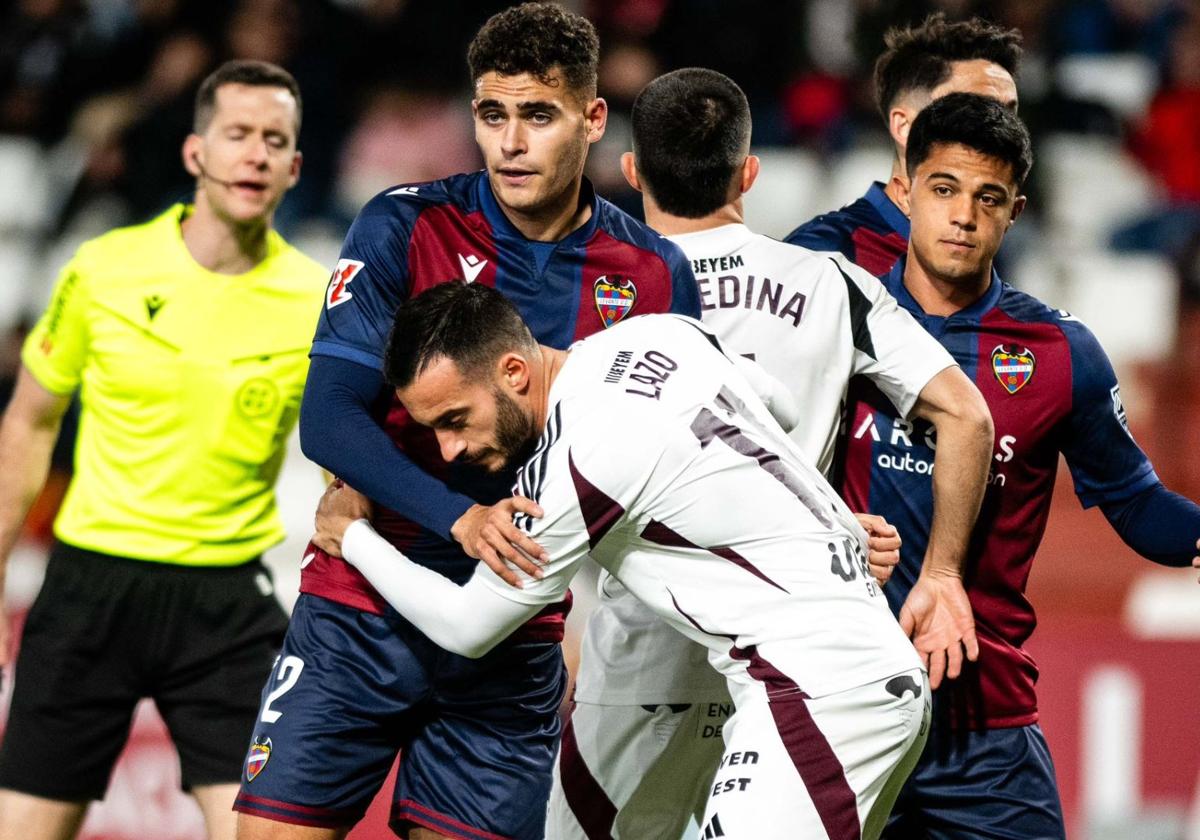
{"points": [[337, 293], [1013, 366], [260, 752], [615, 297]]}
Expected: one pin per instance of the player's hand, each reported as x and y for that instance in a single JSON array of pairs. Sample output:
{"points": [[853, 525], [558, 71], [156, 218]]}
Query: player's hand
{"points": [[339, 506], [883, 546], [488, 534], [937, 617]]}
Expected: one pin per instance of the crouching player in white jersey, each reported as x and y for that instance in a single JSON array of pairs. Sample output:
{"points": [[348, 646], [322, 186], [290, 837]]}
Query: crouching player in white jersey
{"points": [[649, 448], [644, 739]]}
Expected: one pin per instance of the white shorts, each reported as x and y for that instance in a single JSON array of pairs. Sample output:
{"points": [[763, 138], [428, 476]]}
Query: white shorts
{"points": [[826, 768], [635, 772]]}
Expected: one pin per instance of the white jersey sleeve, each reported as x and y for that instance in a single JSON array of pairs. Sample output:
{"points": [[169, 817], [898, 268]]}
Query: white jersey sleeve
{"points": [[890, 347]]}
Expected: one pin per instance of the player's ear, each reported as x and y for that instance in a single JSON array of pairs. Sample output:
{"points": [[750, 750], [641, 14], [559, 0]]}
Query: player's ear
{"points": [[294, 174], [191, 154], [514, 371], [1018, 208], [629, 170], [900, 120], [596, 115], [750, 168]]}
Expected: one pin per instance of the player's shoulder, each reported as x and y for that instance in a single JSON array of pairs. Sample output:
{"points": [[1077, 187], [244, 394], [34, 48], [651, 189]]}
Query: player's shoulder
{"points": [[137, 241], [1023, 307], [398, 207], [833, 231], [636, 235], [298, 271]]}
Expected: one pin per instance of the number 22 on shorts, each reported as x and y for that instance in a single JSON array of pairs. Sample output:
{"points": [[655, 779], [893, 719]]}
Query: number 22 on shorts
{"points": [[284, 672]]}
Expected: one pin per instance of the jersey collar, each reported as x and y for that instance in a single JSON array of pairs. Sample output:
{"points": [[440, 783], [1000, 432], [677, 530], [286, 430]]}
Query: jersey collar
{"points": [[887, 209], [502, 228], [894, 282], [719, 241]]}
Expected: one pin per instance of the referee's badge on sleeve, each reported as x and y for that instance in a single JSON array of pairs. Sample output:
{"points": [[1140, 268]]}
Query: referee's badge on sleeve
{"points": [[1013, 366], [260, 753]]}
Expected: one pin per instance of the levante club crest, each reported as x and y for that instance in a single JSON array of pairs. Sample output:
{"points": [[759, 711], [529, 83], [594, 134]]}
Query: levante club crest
{"points": [[615, 297], [1013, 366], [260, 752]]}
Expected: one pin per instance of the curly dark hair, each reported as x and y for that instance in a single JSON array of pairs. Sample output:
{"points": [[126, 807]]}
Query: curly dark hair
{"points": [[538, 38], [977, 122], [919, 57]]}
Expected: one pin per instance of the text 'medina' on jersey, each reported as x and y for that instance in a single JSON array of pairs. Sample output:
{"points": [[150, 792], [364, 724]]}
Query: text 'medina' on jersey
{"points": [[661, 462], [410, 238]]}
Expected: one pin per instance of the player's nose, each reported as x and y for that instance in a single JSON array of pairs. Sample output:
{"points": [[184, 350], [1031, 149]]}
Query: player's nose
{"points": [[512, 141], [451, 445]]}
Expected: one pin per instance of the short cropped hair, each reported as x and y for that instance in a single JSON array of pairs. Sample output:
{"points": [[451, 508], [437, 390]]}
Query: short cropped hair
{"points": [[918, 58], [977, 122], [538, 38], [691, 133], [470, 324], [243, 72]]}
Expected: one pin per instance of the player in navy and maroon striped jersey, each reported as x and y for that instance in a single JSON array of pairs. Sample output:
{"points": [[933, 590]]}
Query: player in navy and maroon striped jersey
{"points": [[919, 65], [355, 681], [1051, 389]]}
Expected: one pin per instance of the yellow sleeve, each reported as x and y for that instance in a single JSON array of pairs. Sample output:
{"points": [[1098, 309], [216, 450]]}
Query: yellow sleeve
{"points": [[56, 348]]}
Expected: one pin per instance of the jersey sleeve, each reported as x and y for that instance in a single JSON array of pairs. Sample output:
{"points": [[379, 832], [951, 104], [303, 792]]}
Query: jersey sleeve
{"points": [[890, 347], [820, 234], [56, 349], [368, 283], [585, 493], [1106, 463]]}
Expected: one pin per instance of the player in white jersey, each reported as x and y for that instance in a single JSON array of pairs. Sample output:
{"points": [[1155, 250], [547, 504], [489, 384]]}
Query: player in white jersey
{"points": [[644, 739], [647, 447]]}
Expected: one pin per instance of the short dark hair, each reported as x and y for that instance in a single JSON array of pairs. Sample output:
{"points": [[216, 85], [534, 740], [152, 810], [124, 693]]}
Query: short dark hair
{"points": [[977, 122], [691, 131], [468, 323], [242, 72], [919, 57], [538, 38]]}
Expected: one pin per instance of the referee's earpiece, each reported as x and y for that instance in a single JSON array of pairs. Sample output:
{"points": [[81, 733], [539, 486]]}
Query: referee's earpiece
{"points": [[204, 173]]}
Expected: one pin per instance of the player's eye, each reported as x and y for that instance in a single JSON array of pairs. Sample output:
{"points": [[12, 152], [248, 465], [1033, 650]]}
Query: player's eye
{"points": [[989, 200], [943, 191], [492, 117], [540, 118]]}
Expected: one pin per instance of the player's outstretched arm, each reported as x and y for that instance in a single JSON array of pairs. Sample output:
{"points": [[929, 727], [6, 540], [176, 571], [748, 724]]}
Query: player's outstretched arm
{"points": [[468, 620], [27, 435], [937, 614]]}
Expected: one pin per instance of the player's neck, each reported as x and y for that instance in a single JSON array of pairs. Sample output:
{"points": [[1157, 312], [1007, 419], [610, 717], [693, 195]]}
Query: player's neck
{"points": [[554, 221], [938, 296], [669, 225], [890, 189], [222, 246], [551, 362]]}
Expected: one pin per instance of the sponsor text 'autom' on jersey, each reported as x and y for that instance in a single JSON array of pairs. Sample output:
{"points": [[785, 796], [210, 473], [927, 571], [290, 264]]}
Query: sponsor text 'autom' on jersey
{"points": [[410, 238], [1050, 389]]}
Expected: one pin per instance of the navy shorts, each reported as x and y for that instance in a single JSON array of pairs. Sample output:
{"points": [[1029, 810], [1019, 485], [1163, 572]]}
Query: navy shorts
{"points": [[997, 785], [350, 689]]}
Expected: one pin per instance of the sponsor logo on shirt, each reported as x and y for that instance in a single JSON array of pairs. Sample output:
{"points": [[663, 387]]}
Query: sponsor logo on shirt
{"points": [[615, 297], [343, 273], [471, 265], [1013, 366], [1119, 409], [153, 304], [260, 754], [902, 433]]}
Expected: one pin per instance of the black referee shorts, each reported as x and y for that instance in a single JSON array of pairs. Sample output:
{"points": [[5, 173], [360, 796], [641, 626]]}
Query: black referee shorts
{"points": [[106, 631]]}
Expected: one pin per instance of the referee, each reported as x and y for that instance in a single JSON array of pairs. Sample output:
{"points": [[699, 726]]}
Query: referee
{"points": [[187, 338]]}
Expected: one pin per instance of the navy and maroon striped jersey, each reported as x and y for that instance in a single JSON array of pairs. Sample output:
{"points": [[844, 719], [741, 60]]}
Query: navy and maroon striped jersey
{"points": [[410, 238], [872, 232], [1050, 389]]}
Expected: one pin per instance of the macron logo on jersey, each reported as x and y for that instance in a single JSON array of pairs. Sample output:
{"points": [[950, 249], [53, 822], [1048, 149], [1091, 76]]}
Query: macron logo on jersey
{"points": [[471, 265], [337, 293]]}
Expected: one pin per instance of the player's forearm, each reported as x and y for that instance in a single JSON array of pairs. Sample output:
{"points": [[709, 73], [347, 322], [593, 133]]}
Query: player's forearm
{"points": [[965, 437], [468, 620], [1159, 525]]}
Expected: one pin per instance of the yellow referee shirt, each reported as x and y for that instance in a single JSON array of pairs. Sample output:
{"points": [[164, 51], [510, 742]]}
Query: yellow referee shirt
{"points": [[190, 384]]}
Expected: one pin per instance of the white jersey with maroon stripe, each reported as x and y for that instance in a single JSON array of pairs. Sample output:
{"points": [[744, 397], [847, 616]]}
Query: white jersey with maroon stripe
{"points": [[660, 460], [812, 320]]}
